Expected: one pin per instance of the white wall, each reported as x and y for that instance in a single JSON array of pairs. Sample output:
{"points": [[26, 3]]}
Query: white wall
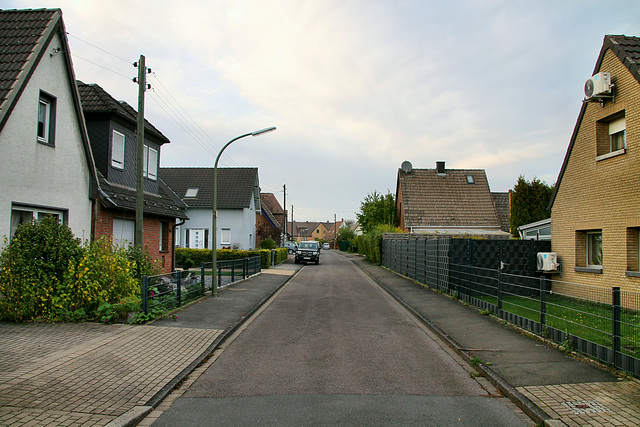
{"points": [[32, 173]]}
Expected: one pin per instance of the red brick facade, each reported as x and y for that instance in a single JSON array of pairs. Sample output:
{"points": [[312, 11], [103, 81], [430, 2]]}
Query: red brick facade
{"points": [[153, 233]]}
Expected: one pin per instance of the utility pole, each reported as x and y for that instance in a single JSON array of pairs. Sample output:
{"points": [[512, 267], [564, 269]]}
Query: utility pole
{"points": [[142, 87], [335, 234], [293, 226], [284, 237]]}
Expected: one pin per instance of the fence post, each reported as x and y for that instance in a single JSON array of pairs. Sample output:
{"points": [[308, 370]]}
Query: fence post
{"points": [[245, 267], [616, 311], [202, 278], [543, 304], [499, 292], [179, 287], [145, 293], [219, 267]]}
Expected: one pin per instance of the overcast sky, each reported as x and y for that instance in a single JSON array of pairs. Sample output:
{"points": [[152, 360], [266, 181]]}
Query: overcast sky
{"points": [[355, 87]]}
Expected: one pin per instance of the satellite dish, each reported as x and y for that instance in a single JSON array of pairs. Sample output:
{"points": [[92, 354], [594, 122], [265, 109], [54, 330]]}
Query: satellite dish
{"points": [[406, 166]]}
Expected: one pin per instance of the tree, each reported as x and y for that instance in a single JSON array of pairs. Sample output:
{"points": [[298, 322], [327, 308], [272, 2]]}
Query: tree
{"points": [[529, 203], [376, 210], [345, 233]]}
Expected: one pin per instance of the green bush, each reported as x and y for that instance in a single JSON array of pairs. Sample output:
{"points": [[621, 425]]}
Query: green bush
{"points": [[373, 242], [45, 274], [268, 244]]}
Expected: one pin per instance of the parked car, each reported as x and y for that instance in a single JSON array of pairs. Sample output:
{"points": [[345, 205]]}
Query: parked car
{"points": [[308, 252], [326, 246], [292, 246]]}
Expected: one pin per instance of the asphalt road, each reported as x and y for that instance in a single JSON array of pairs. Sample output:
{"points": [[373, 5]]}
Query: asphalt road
{"points": [[333, 349]]}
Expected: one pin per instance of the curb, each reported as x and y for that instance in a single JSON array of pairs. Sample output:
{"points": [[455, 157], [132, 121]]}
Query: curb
{"points": [[136, 414], [527, 406]]}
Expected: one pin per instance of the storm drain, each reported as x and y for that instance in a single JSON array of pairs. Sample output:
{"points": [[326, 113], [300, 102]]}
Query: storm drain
{"points": [[585, 407]]}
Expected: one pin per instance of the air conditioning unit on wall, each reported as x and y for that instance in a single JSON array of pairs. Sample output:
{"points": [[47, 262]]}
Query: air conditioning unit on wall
{"points": [[548, 261], [598, 85]]}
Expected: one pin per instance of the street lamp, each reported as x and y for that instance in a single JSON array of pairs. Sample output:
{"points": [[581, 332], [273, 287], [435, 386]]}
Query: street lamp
{"points": [[214, 256]]}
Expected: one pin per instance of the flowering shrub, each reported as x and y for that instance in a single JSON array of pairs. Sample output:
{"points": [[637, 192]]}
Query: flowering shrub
{"points": [[47, 275]]}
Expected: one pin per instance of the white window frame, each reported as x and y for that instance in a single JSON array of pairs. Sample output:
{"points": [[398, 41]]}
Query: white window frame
{"points": [[118, 141], [46, 125], [223, 240], [150, 163], [617, 128], [590, 236], [34, 213]]}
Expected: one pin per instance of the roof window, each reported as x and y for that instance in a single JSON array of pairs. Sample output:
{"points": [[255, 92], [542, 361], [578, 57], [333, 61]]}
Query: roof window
{"points": [[470, 179], [192, 192]]}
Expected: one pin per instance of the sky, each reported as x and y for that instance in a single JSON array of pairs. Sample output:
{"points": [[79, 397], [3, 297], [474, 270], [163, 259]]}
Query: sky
{"points": [[354, 87]]}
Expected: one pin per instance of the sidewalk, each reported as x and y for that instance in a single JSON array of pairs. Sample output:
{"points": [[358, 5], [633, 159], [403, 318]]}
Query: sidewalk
{"points": [[550, 386], [91, 374]]}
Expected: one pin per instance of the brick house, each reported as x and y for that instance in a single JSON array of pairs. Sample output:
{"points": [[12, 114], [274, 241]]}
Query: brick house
{"points": [[595, 206], [451, 202], [269, 221], [46, 161], [111, 126], [309, 231]]}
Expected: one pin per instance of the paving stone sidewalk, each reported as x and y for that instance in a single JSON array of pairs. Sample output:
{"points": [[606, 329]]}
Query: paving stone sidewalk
{"points": [[89, 374]]}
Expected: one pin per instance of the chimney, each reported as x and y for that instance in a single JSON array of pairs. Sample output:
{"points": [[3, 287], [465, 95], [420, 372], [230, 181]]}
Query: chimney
{"points": [[440, 168]]}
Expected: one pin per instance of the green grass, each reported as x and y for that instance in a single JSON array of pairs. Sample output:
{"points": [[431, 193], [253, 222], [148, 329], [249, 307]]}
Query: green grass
{"points": [[584, 319]]}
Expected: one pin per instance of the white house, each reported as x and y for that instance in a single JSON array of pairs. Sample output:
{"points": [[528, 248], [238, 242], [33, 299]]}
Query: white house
{"points": [[46, 165], [238, 202]]}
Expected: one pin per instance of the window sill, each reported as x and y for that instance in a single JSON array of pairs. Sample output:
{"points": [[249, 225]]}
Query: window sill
{"points": [[611, 154], [594, 270], [632, 273]]}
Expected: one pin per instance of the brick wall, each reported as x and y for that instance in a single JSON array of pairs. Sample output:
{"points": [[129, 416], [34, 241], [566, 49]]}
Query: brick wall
{"points": [[152, 233], [602, 195]]}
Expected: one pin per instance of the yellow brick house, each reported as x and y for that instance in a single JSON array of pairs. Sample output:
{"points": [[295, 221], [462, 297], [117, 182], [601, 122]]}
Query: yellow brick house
{"points": [[596, 202]]}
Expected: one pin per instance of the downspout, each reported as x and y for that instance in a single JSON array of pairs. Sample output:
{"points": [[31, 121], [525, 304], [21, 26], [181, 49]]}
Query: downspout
{"points": [[173, 243]]}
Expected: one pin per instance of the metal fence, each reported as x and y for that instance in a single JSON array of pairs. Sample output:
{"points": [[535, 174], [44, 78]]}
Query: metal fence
{"points": [[499, 277], [164, 292]]}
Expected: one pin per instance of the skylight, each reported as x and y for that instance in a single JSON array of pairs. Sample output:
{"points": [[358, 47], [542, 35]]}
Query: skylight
{"points": [[192, 192], [470, 179]]}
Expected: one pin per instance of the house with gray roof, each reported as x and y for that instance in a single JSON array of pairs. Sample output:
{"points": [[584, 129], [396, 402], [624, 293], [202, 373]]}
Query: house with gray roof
{"points": [[238, 204], [46, 162], [112, 129], [448, 202]]}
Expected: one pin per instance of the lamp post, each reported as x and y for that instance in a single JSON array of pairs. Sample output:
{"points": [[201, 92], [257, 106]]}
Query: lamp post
{"points": [[214, 243]]}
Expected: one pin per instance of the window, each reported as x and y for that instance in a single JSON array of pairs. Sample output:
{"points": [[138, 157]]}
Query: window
{"points": [[150, 163], [225, 239], [46, 119], [470, 179], [594, 249], [611, 136], [164, 236], [617, 135], [633, 251], [123, 231], [21, 214], [192, 192], [117, 150]]}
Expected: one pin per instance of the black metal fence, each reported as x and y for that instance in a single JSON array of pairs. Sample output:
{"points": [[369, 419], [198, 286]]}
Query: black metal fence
{"points": [[501, 277], [164, 292]]}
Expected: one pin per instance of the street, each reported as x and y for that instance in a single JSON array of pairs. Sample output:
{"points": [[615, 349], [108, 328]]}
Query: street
{"points": [[333, 349]]}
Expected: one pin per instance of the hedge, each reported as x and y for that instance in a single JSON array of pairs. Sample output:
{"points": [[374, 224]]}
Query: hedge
{"points": [[198, 256]]}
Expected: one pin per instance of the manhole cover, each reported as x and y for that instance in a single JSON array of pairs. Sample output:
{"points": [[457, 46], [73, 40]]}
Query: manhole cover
{"points": [[585, 407]]}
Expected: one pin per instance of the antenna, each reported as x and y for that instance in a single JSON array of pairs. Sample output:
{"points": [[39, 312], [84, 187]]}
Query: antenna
{"points": [[406, 166]]}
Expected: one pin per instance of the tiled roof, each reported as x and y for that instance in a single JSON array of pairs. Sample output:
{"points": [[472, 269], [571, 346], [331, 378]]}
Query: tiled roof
{"points": [[95, 100], [272, 207], [236, 186], [21, 36], [446, 200], [165, 203], [627, 49], [501, 203]]}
